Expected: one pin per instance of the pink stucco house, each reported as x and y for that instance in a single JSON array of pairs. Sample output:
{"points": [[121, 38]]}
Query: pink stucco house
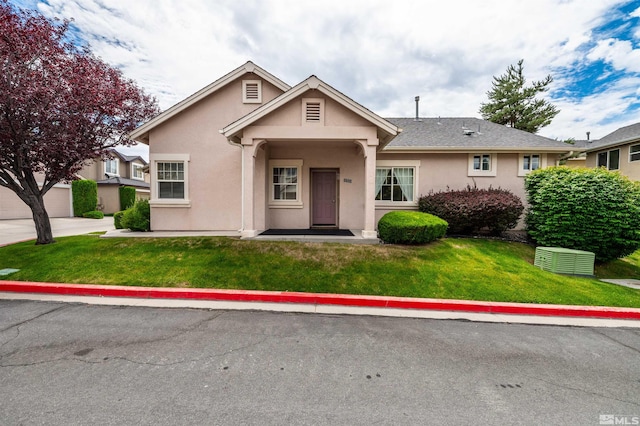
{"points": [[249, 153]]}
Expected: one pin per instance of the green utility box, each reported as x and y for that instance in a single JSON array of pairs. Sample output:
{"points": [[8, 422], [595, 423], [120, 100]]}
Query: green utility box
{"points": [[565, 261]]}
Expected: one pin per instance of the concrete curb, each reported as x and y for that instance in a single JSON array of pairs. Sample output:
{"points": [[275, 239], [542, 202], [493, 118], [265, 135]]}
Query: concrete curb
{"points": [[322, 299]]}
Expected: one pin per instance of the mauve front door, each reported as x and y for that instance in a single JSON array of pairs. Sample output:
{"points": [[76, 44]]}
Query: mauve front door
{"points": [[324, 198]]}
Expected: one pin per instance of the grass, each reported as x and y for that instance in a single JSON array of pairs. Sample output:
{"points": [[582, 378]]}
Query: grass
{"points": [[470, 269]]}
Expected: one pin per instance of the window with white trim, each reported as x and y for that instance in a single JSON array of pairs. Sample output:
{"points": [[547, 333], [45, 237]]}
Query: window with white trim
{"points": [[530, 162], [137, 171], [482, 164], [252, 91], [171, 179], [286, 183], [634, 153], [609, 159], [111, 166], [395, 184], [313, 111]]}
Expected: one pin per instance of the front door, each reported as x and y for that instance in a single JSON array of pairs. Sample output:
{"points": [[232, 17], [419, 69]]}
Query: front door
{"points": [[324, 191]]}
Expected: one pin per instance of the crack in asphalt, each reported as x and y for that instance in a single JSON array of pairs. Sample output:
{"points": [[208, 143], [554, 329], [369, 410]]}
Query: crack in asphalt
{"points": [[17, 327], [616, 341], [561, 386]]}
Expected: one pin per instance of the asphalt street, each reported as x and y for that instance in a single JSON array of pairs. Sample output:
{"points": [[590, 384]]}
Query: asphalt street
{"points": [[68, 364]]}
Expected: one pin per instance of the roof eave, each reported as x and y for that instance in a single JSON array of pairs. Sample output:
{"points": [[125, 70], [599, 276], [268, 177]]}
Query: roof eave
{"points": [[474, 149]]}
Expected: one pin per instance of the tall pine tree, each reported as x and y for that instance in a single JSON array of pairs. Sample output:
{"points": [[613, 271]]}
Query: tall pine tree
{"points": [[513, 104]]}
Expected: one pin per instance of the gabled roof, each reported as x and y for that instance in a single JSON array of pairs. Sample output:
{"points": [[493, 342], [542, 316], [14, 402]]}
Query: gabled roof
{"points": [[621, 136], [141, 134], [128, 158], [467, 134], [388, 129]]}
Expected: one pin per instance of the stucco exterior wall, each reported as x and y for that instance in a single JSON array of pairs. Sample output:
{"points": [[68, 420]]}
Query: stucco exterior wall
{"points": [[214, 169], [109, 198]]}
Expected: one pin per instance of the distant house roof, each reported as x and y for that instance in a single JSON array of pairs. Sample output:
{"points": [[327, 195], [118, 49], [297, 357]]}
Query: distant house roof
{"points": [[141, 134], [467, 134], [621, 136], [117, 180]]}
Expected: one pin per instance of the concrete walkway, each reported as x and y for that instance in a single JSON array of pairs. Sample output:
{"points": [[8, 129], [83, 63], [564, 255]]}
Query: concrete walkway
{"points": [[17, 230]]}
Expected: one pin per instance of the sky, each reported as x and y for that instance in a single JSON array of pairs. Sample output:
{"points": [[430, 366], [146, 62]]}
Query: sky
{"points": [[380, 53]]}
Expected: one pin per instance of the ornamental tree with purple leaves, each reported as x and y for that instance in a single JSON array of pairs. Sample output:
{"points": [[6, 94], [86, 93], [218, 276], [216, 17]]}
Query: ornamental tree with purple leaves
{"points": [[60, 108]]}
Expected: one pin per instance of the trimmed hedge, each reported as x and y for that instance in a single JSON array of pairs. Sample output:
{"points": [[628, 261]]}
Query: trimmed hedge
{"points": [[138, 217], [584, 209], [117, 220], [85, 196], [409, 227], [469, 210], [94, 214], [127, 197]]}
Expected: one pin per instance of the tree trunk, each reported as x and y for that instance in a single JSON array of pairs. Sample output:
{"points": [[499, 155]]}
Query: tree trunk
{"points": [[41, 220]]}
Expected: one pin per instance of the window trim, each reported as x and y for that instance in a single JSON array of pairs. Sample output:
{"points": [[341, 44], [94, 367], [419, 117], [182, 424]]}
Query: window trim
{"points": [[631, 160], [245, 98], [390, 164], [305, 103], [133, 171], [155, 188], [608, 154], [286, 204], [116, 162], [541, 165], [493, 165]]}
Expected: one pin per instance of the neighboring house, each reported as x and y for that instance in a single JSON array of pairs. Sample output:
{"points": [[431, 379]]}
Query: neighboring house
{"points": [[111, 174], [249, 153], [619, 151]]}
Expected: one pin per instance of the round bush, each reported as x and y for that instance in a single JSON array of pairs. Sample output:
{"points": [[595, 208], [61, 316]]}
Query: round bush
{"points": [[469, 210], [117, 219], [95, 214], [138, 217], [584, 209], [409, 227]]}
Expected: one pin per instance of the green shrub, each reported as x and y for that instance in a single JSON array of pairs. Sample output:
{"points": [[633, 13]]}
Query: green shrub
{"points": [[117, 219], [584, 209], [138, 217], [469, 210], [409, 227], [127, 196], [85, 196], [94, 214]]}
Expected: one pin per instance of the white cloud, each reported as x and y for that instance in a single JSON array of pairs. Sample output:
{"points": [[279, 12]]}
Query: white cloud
{"points": [[379, 53], [619, 53]]}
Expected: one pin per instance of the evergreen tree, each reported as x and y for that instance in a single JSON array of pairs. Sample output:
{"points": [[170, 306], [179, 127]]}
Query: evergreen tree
{"points": [[514, 104]]}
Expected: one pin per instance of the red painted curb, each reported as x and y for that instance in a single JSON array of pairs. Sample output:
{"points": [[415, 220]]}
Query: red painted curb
{"points": [[322, 299]]}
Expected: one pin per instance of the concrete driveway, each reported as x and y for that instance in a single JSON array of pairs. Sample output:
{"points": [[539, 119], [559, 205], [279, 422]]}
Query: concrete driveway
{"points": [[16, 230]]}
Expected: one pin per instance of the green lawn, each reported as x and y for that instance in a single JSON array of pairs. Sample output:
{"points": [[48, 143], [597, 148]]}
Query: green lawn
{"points": [[471, 269]]}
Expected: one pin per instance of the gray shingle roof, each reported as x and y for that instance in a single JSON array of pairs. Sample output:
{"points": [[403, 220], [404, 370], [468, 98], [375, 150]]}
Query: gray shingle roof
{"points": [[618, 137], [117, 180], [467, 133]]}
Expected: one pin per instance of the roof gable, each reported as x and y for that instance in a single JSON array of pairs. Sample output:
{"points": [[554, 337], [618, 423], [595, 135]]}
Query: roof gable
{"points": [[467, 134], [141, 133], [386, 129]]}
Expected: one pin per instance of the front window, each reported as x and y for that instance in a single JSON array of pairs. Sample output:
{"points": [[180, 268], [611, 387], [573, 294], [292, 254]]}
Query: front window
{"points": [[634, 153], [137, 171], [285, 183], [111, 166], [482, 162], [609, 159], [395, 184], [170, 180], [531, 162]]}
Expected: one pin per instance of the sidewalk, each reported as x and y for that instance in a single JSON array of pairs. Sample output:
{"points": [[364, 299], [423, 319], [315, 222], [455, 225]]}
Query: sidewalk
{"points": [[584, 316]]}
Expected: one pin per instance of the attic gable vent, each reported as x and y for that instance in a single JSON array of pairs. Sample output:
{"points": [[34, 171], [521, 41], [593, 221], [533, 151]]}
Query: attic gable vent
{"points": [[313, 111], [252, 91]]}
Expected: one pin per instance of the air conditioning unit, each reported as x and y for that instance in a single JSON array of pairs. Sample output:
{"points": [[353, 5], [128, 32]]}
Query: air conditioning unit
{"points": [[565, 261]]}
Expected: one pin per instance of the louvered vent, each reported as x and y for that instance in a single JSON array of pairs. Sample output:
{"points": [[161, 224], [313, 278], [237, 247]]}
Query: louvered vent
{"points": [[565, 261], [313, 111], [252, 92]]}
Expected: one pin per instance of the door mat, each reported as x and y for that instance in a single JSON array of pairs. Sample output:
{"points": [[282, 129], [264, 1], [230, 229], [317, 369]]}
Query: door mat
{"points": [[322, 232]]}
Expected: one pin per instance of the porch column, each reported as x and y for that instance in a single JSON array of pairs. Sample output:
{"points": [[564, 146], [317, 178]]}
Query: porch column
{"points": [[248, 168], [369, 149]]}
